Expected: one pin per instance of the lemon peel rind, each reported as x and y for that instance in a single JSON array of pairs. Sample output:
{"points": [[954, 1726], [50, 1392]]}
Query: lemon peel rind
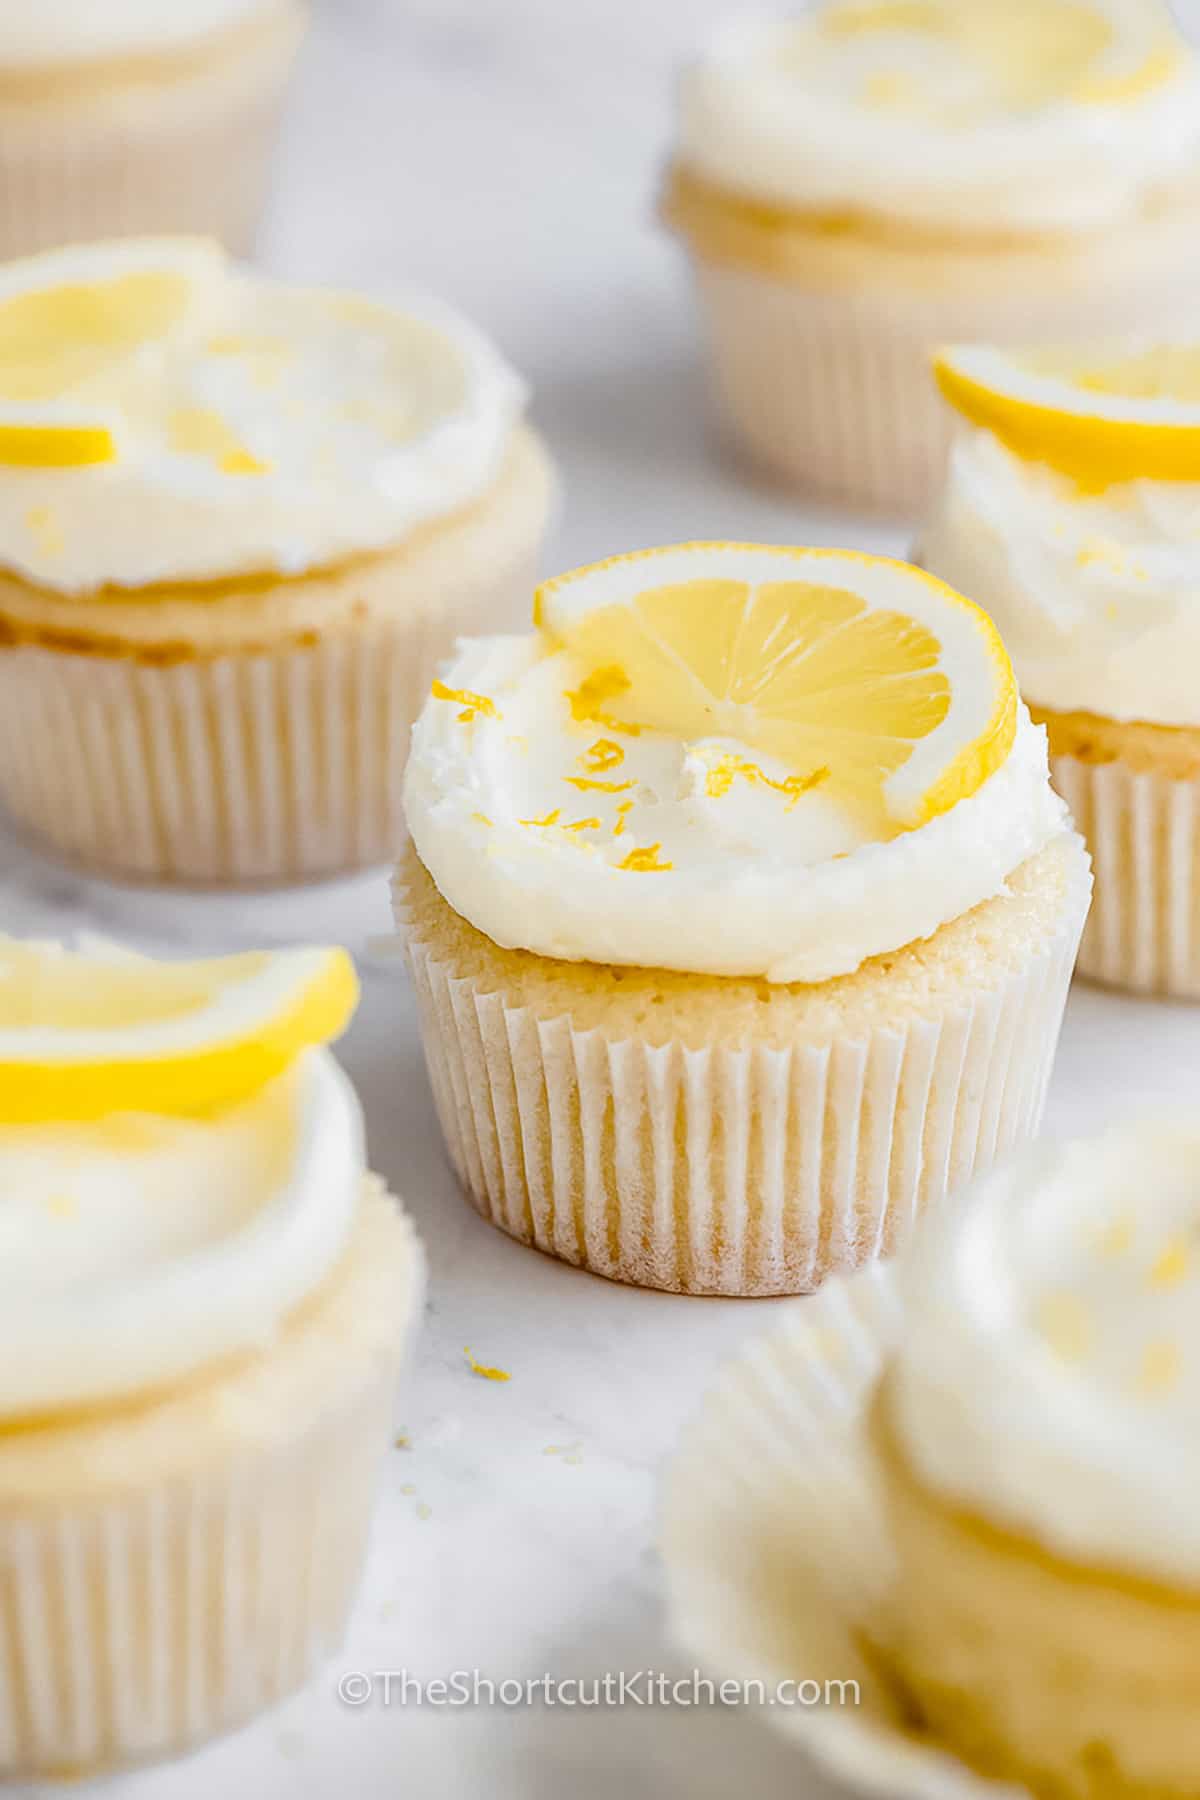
{"points": [[183, 1083], [1095, 450]]}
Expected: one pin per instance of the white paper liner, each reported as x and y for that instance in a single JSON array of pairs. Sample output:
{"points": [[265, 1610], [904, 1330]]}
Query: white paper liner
{"points": [[136, 1626], [1143, 830], [273, 766], [831, 391], [195, 159], [752, 1171], [775, 1546]]}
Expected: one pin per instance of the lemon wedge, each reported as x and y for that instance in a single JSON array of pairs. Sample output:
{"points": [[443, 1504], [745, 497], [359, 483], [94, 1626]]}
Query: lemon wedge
{"points": [[69, 321], [87, 1034], [856, 665], [1099, 416]]}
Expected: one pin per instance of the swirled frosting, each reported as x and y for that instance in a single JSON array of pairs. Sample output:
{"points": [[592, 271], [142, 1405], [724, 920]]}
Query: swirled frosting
{"points": [[1033, 115], [140, 1249], [1049, 1373], [549, 835], [70, 31], [270, 428], [1097, 596]]}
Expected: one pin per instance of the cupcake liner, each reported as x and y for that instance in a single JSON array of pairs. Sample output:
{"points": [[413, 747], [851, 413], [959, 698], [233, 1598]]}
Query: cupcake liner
{"points": [[776, 1552], [829, 387], [1143, 831], [265, 766], [748, 1171], [138, 1624], [191, 156]]}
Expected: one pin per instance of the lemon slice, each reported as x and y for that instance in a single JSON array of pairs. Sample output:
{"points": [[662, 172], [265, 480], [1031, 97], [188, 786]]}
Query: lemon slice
{"points": [[71, 319], [829, 660], [87, 1034], [1100, 416]]}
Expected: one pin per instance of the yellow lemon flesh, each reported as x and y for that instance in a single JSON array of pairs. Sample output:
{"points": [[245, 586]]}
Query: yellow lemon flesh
{"points": [[857, 665], [85, 1036], [1100, 417], [67, 321]]}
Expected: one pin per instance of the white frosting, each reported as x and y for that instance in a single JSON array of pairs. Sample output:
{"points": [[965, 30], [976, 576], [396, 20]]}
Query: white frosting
{"points": [[1049, 1373], [1002, 120], [361, 422], [40, 33], [759, 884], [1097, 596], [140, 1249]]}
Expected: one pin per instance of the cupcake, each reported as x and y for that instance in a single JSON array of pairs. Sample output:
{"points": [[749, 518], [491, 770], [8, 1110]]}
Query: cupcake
{"points": [[240, 522], [1071, 509], [869, 179], [120, 117], [204, 1298], [739, 909], [1036, 1429]]}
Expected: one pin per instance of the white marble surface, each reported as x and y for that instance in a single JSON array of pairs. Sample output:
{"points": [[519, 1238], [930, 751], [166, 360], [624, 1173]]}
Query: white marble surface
{"points": [[504, 153]]}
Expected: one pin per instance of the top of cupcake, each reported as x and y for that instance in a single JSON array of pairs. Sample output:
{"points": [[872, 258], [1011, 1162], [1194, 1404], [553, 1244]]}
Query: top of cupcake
{"points": [[70, 31], [968, 115], [1071, 509], [732, 760], [166, 415], [179, 1165], [1049, 1371]]}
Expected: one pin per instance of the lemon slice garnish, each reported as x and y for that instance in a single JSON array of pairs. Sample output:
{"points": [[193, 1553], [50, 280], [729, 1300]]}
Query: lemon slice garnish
{"points": [[86, 1035], [1100, 416], [828, 659], [72, 319]]}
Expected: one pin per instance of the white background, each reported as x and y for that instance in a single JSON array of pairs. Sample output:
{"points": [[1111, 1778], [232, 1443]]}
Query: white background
{"points": [[506, 155]]}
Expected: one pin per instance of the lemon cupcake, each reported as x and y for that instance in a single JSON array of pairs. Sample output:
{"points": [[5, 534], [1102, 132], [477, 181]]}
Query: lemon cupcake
{"points": [[239, 524], [1071, 508], [876, 177], [203, 1303], [120, 117], [740, 912], [1037, 1434]]}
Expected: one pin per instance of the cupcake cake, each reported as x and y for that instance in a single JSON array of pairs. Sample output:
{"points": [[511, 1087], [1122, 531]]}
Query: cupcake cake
{"points": [[204, 1298], [1071, 510], [1036, 1429], [873, 177], [120, 117], [240, 522], [739, 909]]}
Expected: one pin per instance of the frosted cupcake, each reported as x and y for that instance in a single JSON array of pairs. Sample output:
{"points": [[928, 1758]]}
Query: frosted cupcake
{"points": [[239, 524], [1037, 1429], [740, 912], [120, 117], [203, 1303], [874, 177], [1071, 510]]}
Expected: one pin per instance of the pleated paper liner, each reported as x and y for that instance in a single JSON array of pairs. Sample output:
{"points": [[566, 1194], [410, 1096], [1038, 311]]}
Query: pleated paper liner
{"points": [[152, 1597], [1143, 830], [820, 360], [776, 1551], [263, 766], [188, 153], [747, 1171]]}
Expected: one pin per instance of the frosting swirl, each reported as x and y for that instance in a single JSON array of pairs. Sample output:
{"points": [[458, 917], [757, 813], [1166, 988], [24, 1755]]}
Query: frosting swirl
{"points": [[267, 428], [549, 835], [140, 1249], [1097, 595], [1049, 1373], [70, 31], [1038, 115]]}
